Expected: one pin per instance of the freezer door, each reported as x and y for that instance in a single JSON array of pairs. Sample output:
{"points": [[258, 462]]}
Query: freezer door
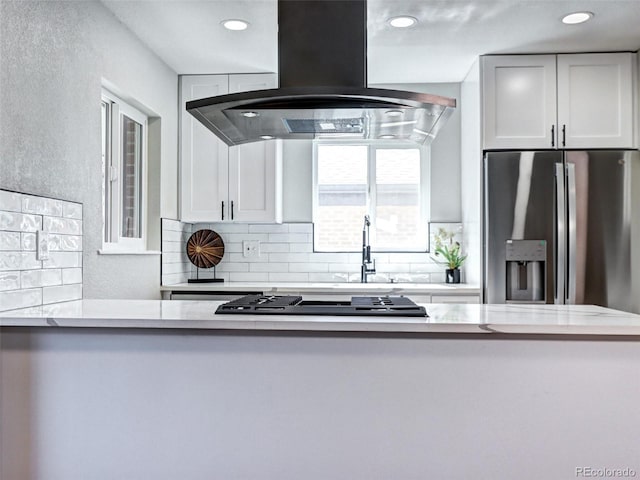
{"points": [[519, 204], [603, 193]]}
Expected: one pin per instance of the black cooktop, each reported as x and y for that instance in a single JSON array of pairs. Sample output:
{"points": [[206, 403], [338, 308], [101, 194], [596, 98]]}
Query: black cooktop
{"points": [[295, 305]]}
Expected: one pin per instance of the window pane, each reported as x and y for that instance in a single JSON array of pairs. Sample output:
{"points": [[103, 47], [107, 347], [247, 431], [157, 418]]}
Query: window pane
{"points": [[106, 165], [131, 178], [342, 197], [398, 225]]}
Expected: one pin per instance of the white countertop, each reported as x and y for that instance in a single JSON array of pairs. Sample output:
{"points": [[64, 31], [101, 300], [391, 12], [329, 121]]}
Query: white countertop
{"points": [[438, 288], [443, 318]]}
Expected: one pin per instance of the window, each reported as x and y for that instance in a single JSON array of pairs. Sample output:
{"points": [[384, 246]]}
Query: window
{"points": [[124, 164], [385, 181]]}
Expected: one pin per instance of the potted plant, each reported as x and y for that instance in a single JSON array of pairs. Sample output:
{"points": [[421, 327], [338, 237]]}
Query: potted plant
{"points": [[448, 253]]}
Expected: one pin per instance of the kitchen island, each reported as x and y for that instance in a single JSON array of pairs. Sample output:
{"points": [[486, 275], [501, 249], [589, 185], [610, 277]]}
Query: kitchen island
{"points": [[106, 389]]}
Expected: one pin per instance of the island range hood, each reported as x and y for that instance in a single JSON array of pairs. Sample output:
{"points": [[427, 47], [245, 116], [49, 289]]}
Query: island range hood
{"points": [[322, 56]]}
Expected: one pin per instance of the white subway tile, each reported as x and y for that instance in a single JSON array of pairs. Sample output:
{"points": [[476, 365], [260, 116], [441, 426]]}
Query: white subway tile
{"points": [[173, 246], [344, 267], [68, 243], [20, 222], [408, 257], [308, 267], [274, 247], [63, 260], [68, 226], [10, 241], [10, 201], [328, 277], [9, 281], [171, 236], [355, 257], [249, 277], [20, 299], [28, 261], [426, 268], [288, 277], [268, 228], [437, 277], [62, 293], [239, 257], [71, 275], [289, 237], [174, 278], [72, 210], [392, 267], [269, 267], [10, 261], [300, 228], [301, 247], [169, 268], [228, 227], [289, 257], [28, 241], [40, 278], [240, 237], [329, 257], [233, 267], [233, 247], [211, 274], [41, 206], [174, 257], [168, 224]]}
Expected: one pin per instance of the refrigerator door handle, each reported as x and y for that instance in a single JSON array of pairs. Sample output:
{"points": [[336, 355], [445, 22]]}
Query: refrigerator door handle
{"points": [[572, 225], [560, 240]]}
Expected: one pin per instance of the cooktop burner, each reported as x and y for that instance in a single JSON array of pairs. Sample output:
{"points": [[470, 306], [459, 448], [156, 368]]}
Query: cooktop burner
{"points": [[295, 305]]}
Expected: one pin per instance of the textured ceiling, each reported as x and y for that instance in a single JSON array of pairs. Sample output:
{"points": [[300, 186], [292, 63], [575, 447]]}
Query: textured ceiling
{"points": [[450, 34]]}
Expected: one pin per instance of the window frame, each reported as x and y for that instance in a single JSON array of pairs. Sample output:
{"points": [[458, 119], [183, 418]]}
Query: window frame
{"points": [[112, 239], [372, 146]]}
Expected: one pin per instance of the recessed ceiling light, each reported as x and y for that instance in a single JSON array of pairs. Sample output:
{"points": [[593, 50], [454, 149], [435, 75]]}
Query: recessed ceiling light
{"points": [[235, 24], [403, 21], [577, 17], [394, 113], [266, 137], [387, 136], [249, 114]]}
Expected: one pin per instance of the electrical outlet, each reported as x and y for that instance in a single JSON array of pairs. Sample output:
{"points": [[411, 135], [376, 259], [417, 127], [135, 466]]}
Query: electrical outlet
{"points": [[42, 245], [251, 248]]}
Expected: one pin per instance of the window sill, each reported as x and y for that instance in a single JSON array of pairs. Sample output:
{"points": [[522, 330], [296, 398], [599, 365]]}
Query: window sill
{"points": [[103, 251]]}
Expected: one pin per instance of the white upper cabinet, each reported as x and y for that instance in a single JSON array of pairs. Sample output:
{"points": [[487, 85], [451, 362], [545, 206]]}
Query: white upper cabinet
{"points": [[595, 100], [519, 101], [203, 157], [559, 101], [221, 183]]}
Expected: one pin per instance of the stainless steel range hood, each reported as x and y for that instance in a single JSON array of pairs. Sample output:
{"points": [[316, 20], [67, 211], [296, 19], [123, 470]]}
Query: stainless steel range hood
{"points": [[323, 92]]}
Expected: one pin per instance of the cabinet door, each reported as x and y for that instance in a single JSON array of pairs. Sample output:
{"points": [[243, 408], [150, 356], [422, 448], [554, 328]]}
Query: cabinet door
{"points": [[519, 101], [595, 100], [203, 157], [255, 173]]}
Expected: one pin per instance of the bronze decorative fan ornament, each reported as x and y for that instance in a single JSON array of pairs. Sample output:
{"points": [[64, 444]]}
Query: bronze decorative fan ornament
{"points": [[205, 249]]}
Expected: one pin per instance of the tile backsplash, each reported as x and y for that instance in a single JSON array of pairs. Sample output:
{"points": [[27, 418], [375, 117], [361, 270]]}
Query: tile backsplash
{"points": [[286, 255], [175, 266], [28, 279]]}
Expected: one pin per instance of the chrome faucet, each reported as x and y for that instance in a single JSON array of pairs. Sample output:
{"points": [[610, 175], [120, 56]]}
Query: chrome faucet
{"points": [[365, 268]]}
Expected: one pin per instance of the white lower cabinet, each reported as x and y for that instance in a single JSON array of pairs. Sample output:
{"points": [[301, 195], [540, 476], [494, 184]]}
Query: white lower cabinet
{"points": [[220, 183]]}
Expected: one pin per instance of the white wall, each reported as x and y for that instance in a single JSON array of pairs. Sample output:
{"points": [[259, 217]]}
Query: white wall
{"points": [[54, 58], [445, 165], [471, 174], [104, 405]]}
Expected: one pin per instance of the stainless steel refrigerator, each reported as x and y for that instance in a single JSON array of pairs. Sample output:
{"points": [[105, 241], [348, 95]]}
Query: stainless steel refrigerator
{"points": [[562, 227]]}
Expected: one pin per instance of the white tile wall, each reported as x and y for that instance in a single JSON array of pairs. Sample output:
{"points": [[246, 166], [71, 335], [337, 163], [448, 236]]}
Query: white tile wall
{"points": [[26, 281], [286, 255], [175, 266]]}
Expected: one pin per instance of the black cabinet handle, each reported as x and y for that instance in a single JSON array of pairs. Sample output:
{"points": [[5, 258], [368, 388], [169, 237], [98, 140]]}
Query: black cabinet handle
{"points": [[553, 135], [231, 209], [564, 135], [222, 209]]}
